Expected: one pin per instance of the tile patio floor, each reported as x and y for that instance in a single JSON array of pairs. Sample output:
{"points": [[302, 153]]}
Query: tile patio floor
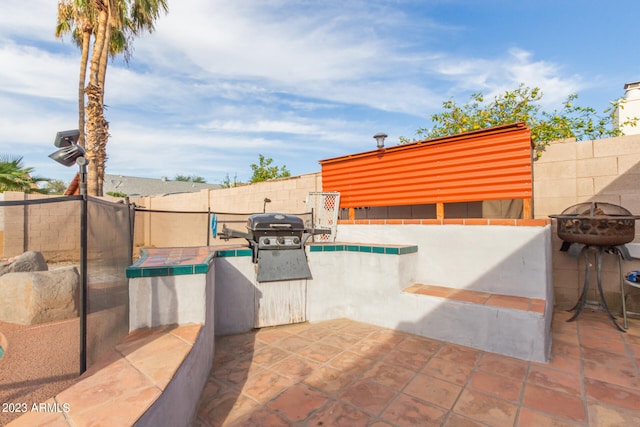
{"points": [[346, 373]]}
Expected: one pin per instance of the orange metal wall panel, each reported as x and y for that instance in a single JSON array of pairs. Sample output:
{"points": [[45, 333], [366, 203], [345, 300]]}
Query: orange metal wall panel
{"points": [[491, 164]]}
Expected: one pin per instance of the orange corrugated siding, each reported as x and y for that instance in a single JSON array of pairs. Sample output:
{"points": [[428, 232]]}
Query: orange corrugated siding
{"points": [[491, 164]]}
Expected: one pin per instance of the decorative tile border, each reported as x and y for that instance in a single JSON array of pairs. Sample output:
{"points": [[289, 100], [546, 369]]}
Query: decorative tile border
{"points": [[365, 248], [156, 262], [450, 221]]}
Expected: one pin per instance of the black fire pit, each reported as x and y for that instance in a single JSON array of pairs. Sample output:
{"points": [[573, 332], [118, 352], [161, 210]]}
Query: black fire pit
{"points": [[596, 224], [600, 227]]}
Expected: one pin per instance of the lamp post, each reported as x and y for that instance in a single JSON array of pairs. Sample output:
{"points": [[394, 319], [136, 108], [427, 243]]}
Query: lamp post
{"points": [[380, 137], [71, 153]]}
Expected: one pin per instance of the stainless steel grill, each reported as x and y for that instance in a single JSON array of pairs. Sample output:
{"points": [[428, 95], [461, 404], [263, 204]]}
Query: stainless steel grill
{"points": [[277, 243]]}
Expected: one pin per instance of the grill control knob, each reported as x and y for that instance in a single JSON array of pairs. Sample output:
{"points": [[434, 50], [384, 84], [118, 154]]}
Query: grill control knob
{"points": [[267, 241], [281, 240], [296, 241]]}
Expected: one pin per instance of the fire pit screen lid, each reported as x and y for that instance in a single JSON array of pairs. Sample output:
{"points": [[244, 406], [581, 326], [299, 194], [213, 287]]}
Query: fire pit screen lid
{"points": [[596, 209]]}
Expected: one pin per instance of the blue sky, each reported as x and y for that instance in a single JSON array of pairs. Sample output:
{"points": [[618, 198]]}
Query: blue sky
{"points": [[299, 81]]}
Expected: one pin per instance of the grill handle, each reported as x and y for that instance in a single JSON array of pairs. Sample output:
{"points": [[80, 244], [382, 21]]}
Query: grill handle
{"points": [[229, 233]]}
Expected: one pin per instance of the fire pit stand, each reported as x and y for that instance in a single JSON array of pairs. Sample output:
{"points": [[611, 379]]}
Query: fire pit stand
{"points": [[621, 253], [596, 227]]}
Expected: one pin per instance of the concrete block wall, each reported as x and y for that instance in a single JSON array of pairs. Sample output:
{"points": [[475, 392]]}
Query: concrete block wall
{"points": [[51, 228], [571, 172], [163, 230]]}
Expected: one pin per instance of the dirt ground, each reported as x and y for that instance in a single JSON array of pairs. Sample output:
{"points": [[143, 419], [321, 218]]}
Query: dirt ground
{"points": [[39, 361]]}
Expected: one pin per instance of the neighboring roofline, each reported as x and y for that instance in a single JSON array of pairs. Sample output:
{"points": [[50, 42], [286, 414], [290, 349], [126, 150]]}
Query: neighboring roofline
{"points": [[440, 140]]}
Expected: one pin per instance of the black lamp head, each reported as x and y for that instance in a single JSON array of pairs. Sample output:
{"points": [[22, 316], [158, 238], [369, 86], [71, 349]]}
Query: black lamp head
{"points": [[66, 138], [67, 155]]}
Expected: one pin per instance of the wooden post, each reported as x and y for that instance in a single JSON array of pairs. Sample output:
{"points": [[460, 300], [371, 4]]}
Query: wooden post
{"points": [[527, 209], [352, 214], [439, 210]]}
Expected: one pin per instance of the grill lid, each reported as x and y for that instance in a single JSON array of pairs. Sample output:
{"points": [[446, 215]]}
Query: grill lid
{"points": [[595, 210], [274, 222]]}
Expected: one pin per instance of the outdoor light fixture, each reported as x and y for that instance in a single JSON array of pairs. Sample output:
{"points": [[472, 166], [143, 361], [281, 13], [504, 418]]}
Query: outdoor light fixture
{"points": [[264, 207], [379, 137], [66, 138], [69, 150], [68, 155]]}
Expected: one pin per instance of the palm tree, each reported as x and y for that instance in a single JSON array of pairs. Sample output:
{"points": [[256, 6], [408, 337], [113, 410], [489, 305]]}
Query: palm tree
{"points": [[112, 23], [78, 17], [15, 177]]}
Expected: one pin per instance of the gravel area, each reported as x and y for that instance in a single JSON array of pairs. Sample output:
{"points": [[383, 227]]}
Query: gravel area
{"points": [[39, 361]]}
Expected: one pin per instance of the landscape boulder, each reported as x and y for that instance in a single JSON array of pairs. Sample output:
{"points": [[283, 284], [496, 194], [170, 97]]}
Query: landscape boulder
{"points": [[28, 261], [28, 298]]}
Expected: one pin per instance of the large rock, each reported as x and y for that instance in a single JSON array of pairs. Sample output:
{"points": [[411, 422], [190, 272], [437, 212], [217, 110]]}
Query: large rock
{"points": [[40, 296], [28, 261]]}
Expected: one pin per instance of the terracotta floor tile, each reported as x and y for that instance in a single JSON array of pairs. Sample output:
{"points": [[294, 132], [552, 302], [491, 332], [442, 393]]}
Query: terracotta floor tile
{"points": [[367, 395], [455, 420], [293, 343], [295, 367], [189, 333], [388, 336], [235, 371], [328, 380], [297, 402], [264, 385], [314, 333], [464, 356], [223, 408], [614, 344], [508, 301], [532, 418], [319, 351], [122, 379], [555, 380], [271, 335], [407, 359], [269, 355], [502, 365], [612, 394], [419, 345], [121, 412], [371, 348], [553, 402], [486, 409], [340, 341], [339, 414], [359, 329], [407, 411], [611, 368], [261, 417], [393, 376], [538, 306], [436, 291], [448, 370], [351, 363], [433, 390], [610, 416], [349, 373], [470, 296], [563, 358], [496, 385]]}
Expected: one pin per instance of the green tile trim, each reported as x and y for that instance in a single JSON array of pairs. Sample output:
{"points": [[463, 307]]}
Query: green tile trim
{"points": [[369, 248], [158, 269]]}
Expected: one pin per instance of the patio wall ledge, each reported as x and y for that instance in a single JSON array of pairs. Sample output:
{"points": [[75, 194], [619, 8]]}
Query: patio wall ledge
{"points": [[154, 377]]}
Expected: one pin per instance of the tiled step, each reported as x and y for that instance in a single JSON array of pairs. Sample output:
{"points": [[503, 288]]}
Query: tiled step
{"points": [[504, 324], [484, 298]]}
